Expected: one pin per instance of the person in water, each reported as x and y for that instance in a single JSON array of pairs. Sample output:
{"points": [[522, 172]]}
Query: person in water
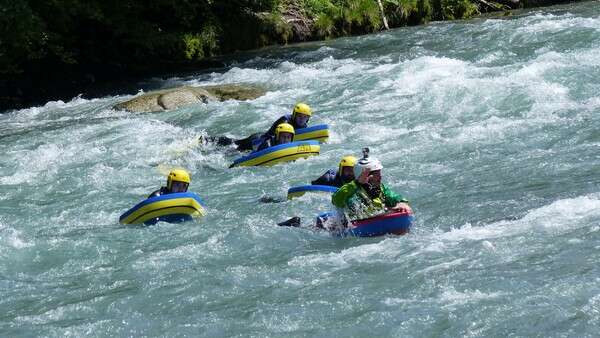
{"points": [[344, 174], [284, 133], [298, 119], [178, 180], [367, 196]]}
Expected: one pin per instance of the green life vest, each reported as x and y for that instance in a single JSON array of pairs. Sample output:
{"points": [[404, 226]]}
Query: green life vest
{"points": [[362, 206]]}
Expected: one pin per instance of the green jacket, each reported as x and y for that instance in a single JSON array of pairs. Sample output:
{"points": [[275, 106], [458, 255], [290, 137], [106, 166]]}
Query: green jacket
{"points": [[357, 203]]}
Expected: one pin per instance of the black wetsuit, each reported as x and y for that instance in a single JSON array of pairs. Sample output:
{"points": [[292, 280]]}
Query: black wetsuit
{"points": [[284, 119], [161, 191], [331, 178], [246, 143], [266, 143]]}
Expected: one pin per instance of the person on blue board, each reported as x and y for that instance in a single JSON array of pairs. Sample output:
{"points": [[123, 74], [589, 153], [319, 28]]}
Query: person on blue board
{"points": [[298, 119], [367, 196], [343, 175], [178, 180], [332, 178], [363, 197], [284, 133]]}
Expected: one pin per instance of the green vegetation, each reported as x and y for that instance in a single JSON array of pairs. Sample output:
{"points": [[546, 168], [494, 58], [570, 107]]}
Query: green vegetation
{"points": [[53, 46]]}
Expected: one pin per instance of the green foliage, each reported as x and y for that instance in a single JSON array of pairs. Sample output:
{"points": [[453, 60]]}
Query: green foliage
{"points": [[314, 8], [130, 33], [76, 40], [127, 34], [324, 26], [342, 17], [454, 9], [403, 12], [279, 29], [363, 13], [21, 36], [424, 11], [200, 45]]}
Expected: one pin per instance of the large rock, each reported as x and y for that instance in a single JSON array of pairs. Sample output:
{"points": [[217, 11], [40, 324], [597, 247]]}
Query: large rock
{"points": [[174, 98], [235, 92]]}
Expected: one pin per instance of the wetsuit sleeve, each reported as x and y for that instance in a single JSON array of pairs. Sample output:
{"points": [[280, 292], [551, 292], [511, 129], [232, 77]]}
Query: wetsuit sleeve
{"points": [[154, 193], [340, 197], [271, 131], [328, 178], [391, 198], [159, 192], [265, 144]]}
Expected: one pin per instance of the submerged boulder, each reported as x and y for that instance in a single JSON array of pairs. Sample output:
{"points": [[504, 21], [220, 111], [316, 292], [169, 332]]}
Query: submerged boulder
{"points": [[175, 98]]}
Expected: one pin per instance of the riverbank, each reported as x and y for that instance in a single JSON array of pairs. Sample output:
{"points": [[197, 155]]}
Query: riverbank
{"points": [[53, 51]]}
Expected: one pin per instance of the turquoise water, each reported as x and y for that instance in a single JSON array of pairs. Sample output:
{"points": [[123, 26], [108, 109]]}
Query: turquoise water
{"points": [[491, 128]]}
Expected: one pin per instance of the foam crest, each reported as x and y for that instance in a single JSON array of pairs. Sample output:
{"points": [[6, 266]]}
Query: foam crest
{"points": [[42, 161], [420, 74], [564, 215], [291, 74], [451, 297], [383, 252], [11, 238], [51, 105], [560, 216], [549, 23]]}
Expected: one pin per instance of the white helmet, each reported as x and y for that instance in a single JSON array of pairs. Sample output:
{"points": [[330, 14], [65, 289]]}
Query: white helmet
{"points": [[370, 163], [375, 164]]}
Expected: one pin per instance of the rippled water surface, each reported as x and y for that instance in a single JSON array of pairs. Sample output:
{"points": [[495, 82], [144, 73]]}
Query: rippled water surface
{"points": [[491, 128]]}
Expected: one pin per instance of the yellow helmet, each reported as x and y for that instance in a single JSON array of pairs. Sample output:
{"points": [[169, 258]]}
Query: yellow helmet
{"points": [[301, 108], [347, 161], [178, 175], [284, 128]]}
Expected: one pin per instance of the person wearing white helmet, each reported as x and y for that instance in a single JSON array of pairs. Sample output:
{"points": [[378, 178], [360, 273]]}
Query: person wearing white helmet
{"points": [[366, 196]]}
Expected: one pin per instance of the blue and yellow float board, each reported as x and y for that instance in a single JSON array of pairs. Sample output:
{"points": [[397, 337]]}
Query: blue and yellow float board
{"points": [[173, 208], [303, 189], [279, 153], [318, 133]]}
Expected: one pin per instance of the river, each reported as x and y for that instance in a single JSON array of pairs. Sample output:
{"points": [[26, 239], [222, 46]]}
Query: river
{"points": [[490, 127]]}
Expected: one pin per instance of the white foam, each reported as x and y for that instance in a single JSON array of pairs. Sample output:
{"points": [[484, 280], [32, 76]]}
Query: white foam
{"points": [[560, 216], [549, 23], [491, 130], [52, 105], [303, 78], [43, 161], [422, 73], [451, 297], [564, 215], [10, 237], [385, 251], [592, 308], [488, 245], [444, 266]]}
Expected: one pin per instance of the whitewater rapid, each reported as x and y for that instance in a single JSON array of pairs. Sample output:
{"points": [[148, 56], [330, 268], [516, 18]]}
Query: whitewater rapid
{"points": [[490, 127]]}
